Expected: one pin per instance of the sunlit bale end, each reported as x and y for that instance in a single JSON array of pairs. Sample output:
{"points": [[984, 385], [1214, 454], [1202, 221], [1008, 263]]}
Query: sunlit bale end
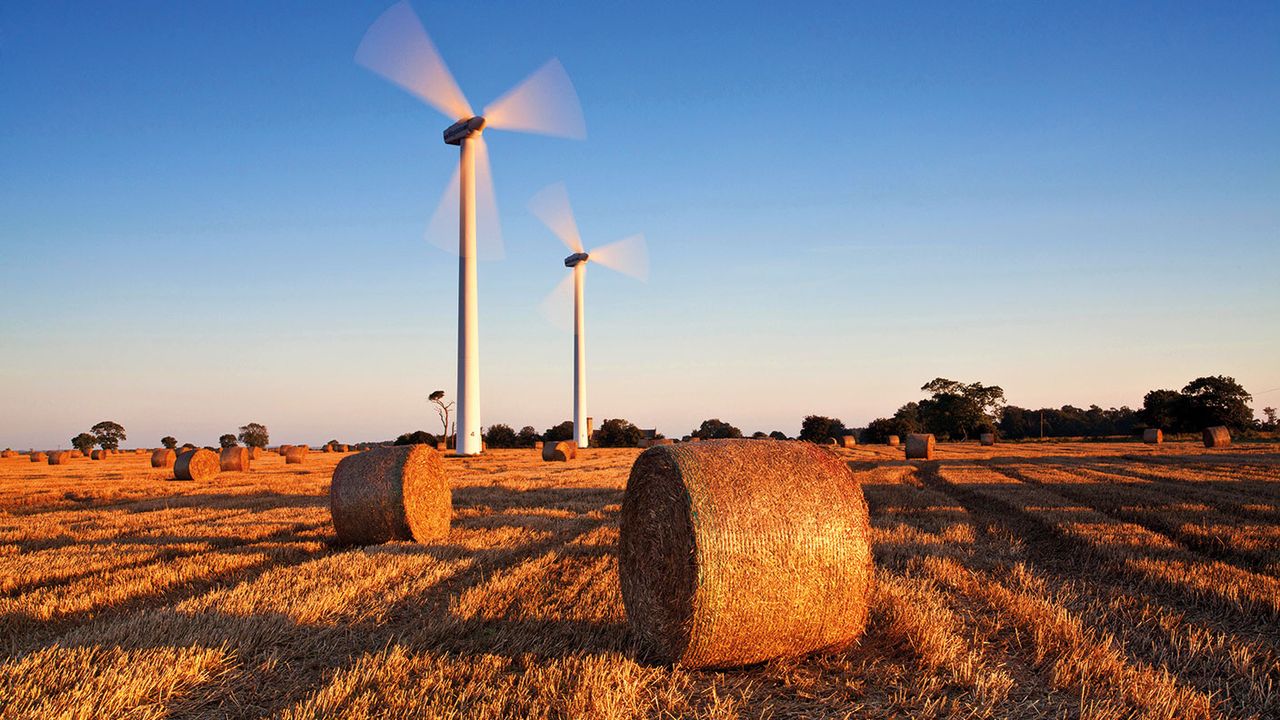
{"points": [[1216, 437], [234, 459], [559, 451], [987, 439], [198, 464], [920, 446], [296, 454], [163, 458], [1153, 436], [390, 493]]}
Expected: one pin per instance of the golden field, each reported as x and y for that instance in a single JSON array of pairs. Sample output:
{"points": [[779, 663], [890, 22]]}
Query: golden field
{"points": [[1023, 580]]}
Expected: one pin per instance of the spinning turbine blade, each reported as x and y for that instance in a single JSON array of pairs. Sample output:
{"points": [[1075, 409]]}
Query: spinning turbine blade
{"points": [[551, 206], [398, 48], [545, 103], [557, 306], [442, 230], [629, 256]]}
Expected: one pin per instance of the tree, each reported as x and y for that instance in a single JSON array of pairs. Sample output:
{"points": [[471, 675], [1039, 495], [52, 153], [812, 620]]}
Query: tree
{"points": [[1271, 423], [443, 409], [617, 432], [527, 436], [716, 429], [169, 441], [500, 436], [759, 435], [879, 430], [820, 429], [957, 410], [108, 434], [778, 435], [418, 437], [1163, 409], [556, 433], [1217, 400], [227, 440], [254, 435], [84, 442]]}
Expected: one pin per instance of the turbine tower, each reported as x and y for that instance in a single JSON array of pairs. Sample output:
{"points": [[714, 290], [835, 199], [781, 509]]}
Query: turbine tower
{"points": [[397, 47], [628, 256]]}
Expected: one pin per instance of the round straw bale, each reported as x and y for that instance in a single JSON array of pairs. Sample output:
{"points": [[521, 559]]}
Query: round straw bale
{"points": [[559, 451], [344, 448], [441, 446], [255, 453], [661, 441], [920, 446], [296, 454], [987, 438], [39, 457], [892, 441], [234, 459], [1217, 436], [848, 441], [59, 457], [1153, 436], [198, 464], [390, 493], [284, 450], [163, 458], [537, 444], [98, 454], [739, 551]]}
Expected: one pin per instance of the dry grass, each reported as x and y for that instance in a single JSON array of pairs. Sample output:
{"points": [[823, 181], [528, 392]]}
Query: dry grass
{"points": [[1055, 580]]}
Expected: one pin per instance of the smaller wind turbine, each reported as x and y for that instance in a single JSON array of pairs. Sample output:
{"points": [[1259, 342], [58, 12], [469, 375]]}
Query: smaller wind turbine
{"points": [[628, 256]]}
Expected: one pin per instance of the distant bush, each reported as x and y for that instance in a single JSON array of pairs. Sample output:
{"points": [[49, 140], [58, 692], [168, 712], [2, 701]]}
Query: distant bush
{"points": [[778, 435], [418, 437], [716, 429], [84, 442], [556, 433], [527, 437], [169, 441], [254, 435], [500, 436], [617, 432], [109, 434], [820, 429], [227, 440]]}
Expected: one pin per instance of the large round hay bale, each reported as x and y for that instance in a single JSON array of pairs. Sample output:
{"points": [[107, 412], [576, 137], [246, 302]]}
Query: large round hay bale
{"points": [[1153, 436], [1215, 437], [284, 450], [39, 457], [163, 458], [99, 455], [987, 438], [234, 459], [892, 441], [559, 451], [296, 454], [59, 457], [920, 446], [198, 464], [848, 441], [390, 493], [739, 551]]}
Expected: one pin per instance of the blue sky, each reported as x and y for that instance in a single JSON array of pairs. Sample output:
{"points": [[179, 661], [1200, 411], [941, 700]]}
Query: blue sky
{"points": [[210, 215]]}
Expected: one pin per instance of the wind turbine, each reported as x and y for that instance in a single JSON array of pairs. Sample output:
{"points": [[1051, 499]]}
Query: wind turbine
{"points": [[628, 256], [397, 47]]}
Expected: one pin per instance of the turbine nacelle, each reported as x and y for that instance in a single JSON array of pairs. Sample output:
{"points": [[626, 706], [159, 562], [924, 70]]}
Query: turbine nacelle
{"points": [[463, 129], [575, 258]]}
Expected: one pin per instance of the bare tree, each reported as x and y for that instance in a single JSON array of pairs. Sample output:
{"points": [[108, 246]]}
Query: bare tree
{"points": [[443, 409]]}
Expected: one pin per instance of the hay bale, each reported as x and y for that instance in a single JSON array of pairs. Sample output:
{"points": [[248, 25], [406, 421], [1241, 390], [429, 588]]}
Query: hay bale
{"points": [[8, 453], [739, 551], [327, 448], [234, 459], [920, 446], [987, 438], [1215, 437], [390, 493], [99, 455], [39, 457], [562, 451], [198, 464], [537, 444], [59, 457], [296, 454], [163, 458], [256, 453], [661, 441], [892, 441], [1153, 436], [284, 450], [848, 441], [344, 448], [77, 454], [442, 446]]}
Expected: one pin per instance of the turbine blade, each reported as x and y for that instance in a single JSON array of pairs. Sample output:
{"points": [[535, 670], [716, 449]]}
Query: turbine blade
{"points": [[557, 306], [398, 48], [544, 103], [551, 206], [442, 229], [629, 256]]}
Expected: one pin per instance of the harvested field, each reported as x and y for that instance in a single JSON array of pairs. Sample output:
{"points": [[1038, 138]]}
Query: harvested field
{"points": [[1091, 580]]}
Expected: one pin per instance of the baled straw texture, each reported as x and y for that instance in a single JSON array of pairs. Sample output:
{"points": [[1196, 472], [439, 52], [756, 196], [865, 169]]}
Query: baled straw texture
{"points": [[987, 438], [1153, 436], [920, 446], [1215, 437], [99, 455], [284, 450], [343, 448], [442, 446], [296, 454], [661, 441], [537, 444], [892, 441], [234, 459], [559, 451], [39, 457], [60, 457], [77, 454], [848, 441], [163, 458], [256, 453], [390, 493], [198, 464], [734, 552]]}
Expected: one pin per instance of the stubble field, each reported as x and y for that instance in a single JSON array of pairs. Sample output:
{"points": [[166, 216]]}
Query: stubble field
{"points": [[1039, 580]]}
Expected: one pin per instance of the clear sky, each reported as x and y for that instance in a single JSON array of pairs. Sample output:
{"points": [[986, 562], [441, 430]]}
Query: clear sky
{"points": [[210, 215]]}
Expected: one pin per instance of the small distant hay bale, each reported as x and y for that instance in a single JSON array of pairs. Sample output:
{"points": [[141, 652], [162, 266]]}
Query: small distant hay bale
{"points": [[562, 451], [59, 457], [442, 446], [296, 454], [234, 459], [327, 448], [1216, 437], [8, 453], [1153, 436], [695, 439], [139, 451], [848, 441], [537, 444], [39, 457], [740, 551], [892, 441], [77, 454], [163, 458], [99, 454], [920, 446], [390, 493], [343, 448], [256, 453], [198, 464], [987, 438], [661, 441], [284, 450]]}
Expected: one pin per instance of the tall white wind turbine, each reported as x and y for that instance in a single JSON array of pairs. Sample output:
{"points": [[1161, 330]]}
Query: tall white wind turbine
{"points": [[628, 256], [398, 48]]}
